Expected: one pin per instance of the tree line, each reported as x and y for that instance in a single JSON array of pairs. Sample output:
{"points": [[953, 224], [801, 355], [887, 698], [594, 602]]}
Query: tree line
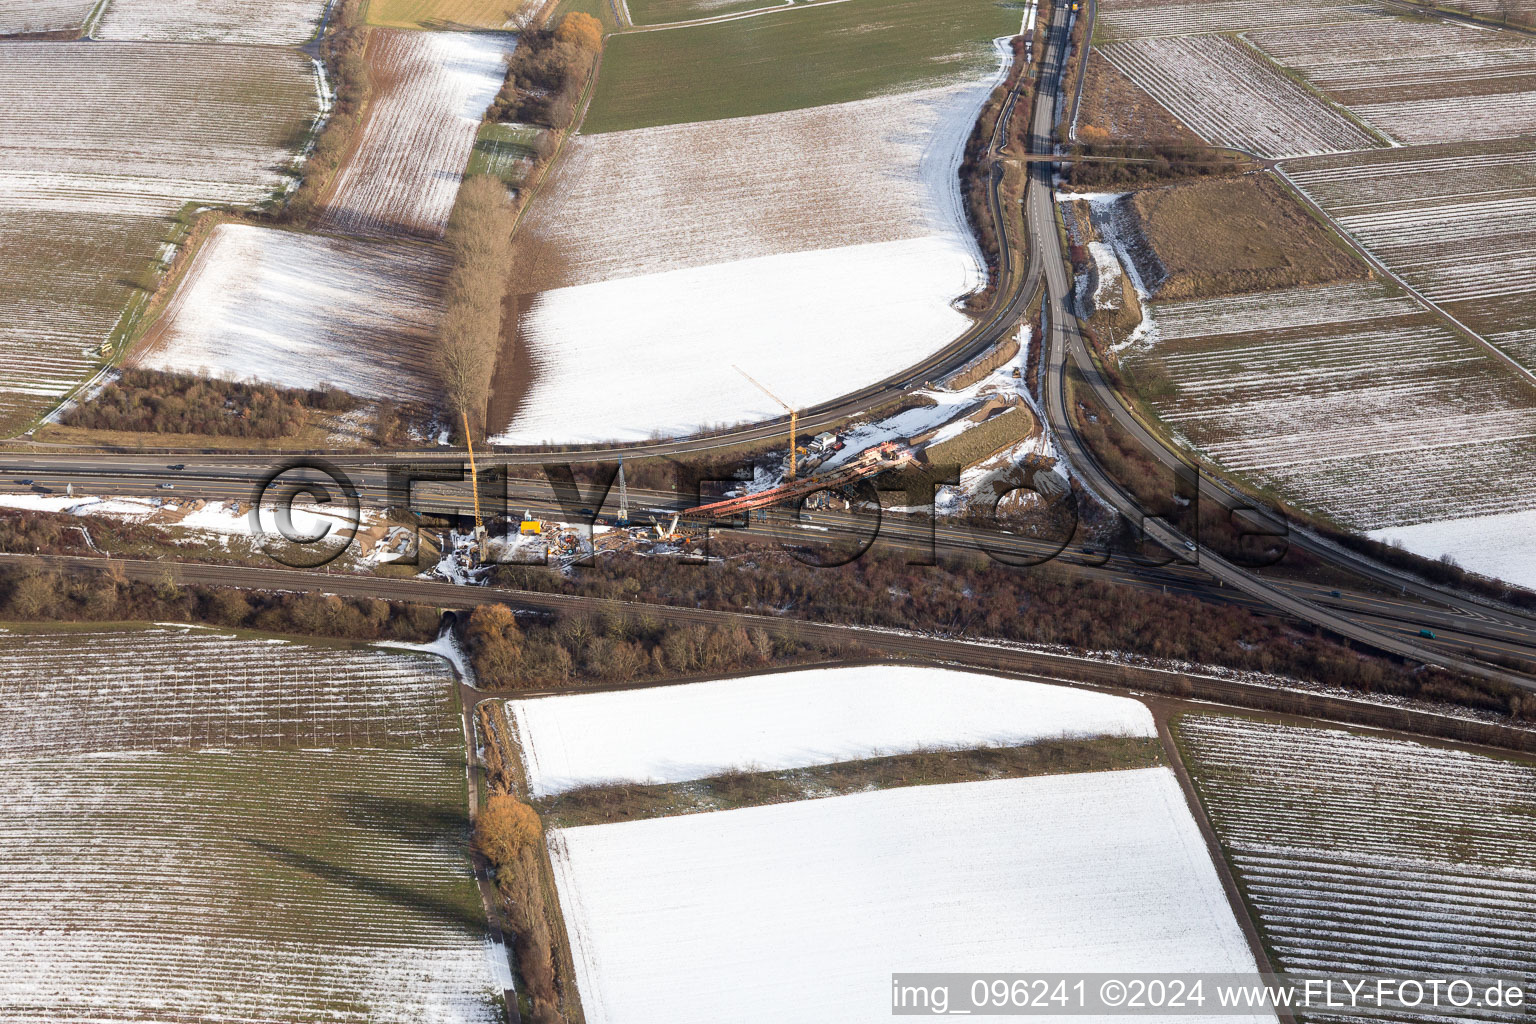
{"points": [[556, 650], [150, 401], [475, 297], [547, 72], [29, 594], [1044, 604]]}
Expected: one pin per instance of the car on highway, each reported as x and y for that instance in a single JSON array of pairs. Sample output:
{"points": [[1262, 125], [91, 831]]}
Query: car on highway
{"points": [[167, 487], [1427, 634], [177, 465]]}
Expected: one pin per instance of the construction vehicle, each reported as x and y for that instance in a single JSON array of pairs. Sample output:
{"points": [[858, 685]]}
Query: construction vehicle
{"points": [[794, 420], [669, 534], [530, 527], [482, 542]]}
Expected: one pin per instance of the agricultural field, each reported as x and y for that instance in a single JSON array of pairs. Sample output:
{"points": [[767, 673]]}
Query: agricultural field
{"points": [[796, 719], [1115, 109], [830, 236], [834, 893], [26, 17], [1262, 240], [805, 56], [1494, 8], [662, 12], [446, 14], [170, 688], [141, 129], [1360, 853], [1135, 19], [94, 176], [1350, 400], [303, 310], [1231, 97], [65, 279], [1419, 82], [288, 22], [197, 825], [434, 88], [1459, 225], [674, 197], [505, 150]]}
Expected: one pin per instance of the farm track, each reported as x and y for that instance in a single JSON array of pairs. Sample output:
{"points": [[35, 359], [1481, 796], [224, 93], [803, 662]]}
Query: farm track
{"points": [[1011, 305], [937, 649], [1397, 279], [1065, 344]]}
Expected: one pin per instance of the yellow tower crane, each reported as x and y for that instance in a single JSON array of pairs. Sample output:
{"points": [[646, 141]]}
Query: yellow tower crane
{"points": [[794, 416]]}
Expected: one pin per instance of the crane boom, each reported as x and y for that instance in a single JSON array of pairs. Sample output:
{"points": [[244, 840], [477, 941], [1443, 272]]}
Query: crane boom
{"points": [[794, 416], [481, 541], [473, 476]]}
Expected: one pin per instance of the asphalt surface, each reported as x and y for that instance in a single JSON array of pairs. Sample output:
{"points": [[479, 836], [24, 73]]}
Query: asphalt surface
{"points": [[1064, 343], [948, 648], [1463, 626]]}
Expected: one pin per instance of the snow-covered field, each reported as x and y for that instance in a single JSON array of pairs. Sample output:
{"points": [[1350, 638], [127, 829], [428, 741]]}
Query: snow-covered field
{"points": [[1454, 118], [1373, 855], [798, 719], [801, 911], [1128, 19], [1395, 58], [830, 238], [690, 195], [406, 172], [63, 286], [842, 318], [1230, 97], [1500, 545], [1459, 227], [25, 16], [215, 21], [1351, 402], [197, 827], [301, 310]]}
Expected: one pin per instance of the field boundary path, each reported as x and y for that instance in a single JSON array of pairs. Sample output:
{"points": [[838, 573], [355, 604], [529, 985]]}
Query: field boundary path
{"points": [[718, 19], [992, 654], [1429, 304], [1161, 713]]}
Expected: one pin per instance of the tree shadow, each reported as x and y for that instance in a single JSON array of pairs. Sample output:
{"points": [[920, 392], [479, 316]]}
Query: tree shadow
{"points": [[440, 910], [411, 820]]}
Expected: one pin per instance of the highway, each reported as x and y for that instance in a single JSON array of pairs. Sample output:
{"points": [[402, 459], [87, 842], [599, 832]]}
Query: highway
{"points": [[1064, 343], [1475, 632], [1386, 611], [949, 649]]}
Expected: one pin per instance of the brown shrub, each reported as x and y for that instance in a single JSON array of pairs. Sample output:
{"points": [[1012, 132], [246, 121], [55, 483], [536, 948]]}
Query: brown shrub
{"points": [[505, 828], [581, 29]]}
